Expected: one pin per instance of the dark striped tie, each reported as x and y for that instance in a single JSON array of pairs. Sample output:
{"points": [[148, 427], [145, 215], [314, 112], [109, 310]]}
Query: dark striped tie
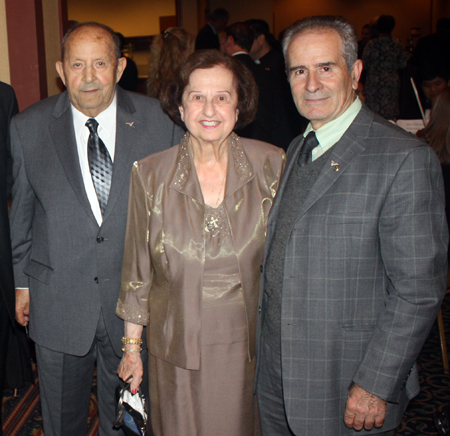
{"points": [[309, 144], [100, 164]]}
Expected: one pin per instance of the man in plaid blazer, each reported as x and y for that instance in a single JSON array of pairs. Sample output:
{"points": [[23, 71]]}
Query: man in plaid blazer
{"points": [[355, 260]]}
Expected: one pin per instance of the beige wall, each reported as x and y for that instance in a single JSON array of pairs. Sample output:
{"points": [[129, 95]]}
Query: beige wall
{"points": [[129, 17], [52, 37], [189, 16], [4, 65]]}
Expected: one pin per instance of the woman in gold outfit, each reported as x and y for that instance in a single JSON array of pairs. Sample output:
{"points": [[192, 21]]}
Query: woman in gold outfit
{"points": [[196, 226]]}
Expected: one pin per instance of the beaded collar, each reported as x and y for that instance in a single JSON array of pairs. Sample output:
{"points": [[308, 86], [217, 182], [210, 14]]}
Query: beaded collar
{"points": [[184, 164]]}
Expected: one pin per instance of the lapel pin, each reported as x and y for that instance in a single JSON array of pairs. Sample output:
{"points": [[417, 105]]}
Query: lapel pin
{"points": [[130, 123], [335, 165]]}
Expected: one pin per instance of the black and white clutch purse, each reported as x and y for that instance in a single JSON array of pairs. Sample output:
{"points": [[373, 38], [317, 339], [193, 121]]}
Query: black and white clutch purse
{"points": [[131, 413]]}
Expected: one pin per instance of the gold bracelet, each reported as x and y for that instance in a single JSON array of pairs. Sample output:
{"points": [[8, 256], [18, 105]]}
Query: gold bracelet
{"points": [[131, 350], [133, 341]]}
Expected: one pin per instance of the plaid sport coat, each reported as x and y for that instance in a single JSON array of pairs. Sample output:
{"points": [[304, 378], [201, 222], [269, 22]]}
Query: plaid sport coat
{"points": [[364, 275]]}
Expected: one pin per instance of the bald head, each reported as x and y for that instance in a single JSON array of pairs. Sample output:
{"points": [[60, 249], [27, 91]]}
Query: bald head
{"points": [[91, 67], [91, 24]]}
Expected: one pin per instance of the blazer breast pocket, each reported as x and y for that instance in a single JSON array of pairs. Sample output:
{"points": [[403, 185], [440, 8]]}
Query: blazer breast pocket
{"points": [[352, 231], [38, 271]]}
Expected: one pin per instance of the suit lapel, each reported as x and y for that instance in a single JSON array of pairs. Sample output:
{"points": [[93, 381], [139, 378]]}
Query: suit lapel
{"points": [[239, 173], [185, 178], [342, 153], [291, 159], [63, 136], [128, 132]]}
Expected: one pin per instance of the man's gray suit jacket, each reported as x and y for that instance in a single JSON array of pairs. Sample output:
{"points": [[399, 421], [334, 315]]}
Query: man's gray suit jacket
{"points": [[70, 263], [365, 272]]}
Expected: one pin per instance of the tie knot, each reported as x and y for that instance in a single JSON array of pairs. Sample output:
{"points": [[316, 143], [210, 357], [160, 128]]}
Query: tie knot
{"points": [[310, 140], [309, 144], [92, 125]]}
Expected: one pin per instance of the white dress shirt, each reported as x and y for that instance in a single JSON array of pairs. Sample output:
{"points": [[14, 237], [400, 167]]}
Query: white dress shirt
{"points": [[107, 132]]}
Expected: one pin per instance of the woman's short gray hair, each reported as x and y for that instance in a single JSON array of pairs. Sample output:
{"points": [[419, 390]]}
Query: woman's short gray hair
{"points": [[324, 22]]}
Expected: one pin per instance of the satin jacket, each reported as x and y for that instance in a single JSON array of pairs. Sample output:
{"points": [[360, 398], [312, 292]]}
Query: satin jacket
{"points": [[165, 242]]}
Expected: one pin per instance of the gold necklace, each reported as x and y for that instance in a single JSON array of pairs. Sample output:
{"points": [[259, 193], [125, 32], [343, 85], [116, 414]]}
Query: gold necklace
{"points": [[213, 222], [220, 190]]}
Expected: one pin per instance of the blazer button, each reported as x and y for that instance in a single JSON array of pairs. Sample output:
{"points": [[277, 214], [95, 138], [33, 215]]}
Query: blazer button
{"points": [[96, 279], [261, 268], [100, 239]]}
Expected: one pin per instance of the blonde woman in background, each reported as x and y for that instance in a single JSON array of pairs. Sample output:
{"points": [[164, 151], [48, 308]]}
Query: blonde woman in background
{"points": [[167, 51]]}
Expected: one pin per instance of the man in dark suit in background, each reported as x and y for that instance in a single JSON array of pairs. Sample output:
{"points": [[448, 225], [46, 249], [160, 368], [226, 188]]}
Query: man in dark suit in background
{"points": [[8, 108], [237, 42], [355, 262], [433, 49], [271, 122], [130, 76], [266, 52], [68, 220], [208, 37]]}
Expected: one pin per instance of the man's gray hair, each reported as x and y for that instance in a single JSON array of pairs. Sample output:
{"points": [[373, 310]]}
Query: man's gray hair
{"points": [[324, 22]]}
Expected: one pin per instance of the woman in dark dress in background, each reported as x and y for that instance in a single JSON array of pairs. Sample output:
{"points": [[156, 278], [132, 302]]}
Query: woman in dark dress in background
{"points": [[383, 57]]}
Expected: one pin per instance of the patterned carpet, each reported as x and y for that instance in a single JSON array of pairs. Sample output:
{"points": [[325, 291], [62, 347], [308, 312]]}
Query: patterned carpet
{"points": [[21, 414], [435, 385]]}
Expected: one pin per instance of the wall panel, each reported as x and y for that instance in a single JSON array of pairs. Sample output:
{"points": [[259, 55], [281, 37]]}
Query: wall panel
{"points": [[131, 18]]}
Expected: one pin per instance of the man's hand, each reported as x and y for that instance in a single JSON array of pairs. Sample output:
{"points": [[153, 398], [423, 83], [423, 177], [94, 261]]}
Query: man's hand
{"points": [[363, 409], [22, 306]]}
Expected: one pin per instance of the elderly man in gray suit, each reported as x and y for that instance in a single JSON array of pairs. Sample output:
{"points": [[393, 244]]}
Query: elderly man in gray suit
{"points": [[72, 159], [355, 259]]}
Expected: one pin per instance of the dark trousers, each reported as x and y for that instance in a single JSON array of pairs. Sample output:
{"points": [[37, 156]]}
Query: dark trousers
{"points": [[65, 383], [5, 328], [270, 394]]}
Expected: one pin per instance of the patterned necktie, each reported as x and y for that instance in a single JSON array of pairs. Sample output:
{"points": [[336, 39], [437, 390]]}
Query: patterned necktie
{"points": [[100, 164], [309, 144]]}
